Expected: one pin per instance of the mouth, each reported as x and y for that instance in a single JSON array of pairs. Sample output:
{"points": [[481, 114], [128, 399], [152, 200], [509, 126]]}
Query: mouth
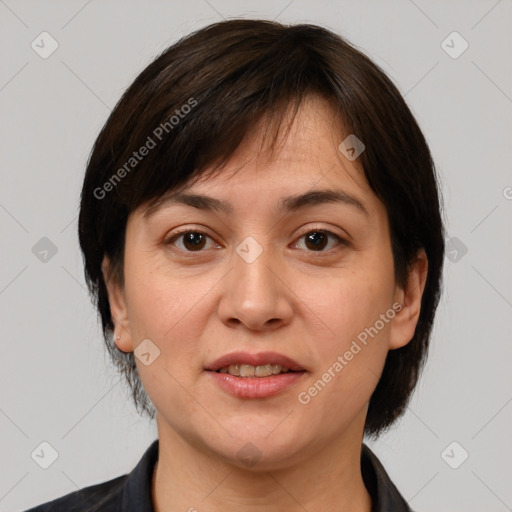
{"points": [[261, 364], [260, 375], [248, 370]]}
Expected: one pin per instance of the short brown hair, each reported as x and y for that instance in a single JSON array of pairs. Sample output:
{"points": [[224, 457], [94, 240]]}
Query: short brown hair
{"points": [[231, 75]]}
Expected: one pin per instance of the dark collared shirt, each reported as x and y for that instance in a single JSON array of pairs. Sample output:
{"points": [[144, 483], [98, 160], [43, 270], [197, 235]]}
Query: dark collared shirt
{"points": [[132, 492]]}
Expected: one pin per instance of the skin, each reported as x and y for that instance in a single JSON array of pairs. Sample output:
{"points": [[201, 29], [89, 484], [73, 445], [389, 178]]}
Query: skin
{"points": [[309, 305]]}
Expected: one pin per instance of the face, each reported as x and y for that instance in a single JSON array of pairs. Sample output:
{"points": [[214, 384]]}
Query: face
{"points": [[262, 279]]}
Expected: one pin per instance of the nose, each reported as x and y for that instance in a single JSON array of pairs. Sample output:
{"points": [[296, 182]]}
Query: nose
{"points": [[255, 295]]}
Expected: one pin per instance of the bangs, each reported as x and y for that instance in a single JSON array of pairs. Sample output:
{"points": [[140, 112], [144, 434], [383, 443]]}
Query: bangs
{"points": [[187, 124]]}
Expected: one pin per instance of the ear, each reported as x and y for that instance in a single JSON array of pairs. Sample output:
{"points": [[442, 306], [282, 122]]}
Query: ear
{"points": [[404, 323], [118, 309]]}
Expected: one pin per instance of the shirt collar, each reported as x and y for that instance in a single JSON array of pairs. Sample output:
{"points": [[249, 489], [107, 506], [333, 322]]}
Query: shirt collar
{"points": [[137, 491], [384, 494]]}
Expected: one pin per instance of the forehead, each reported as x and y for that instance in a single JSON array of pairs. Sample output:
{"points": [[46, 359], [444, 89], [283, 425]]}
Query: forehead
{"points": [[305, 158], [304, 153], [312, 134]]}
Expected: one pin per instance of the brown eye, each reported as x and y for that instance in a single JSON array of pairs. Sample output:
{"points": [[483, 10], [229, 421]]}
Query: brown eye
{"points": [[192, 241], [318, 240]]}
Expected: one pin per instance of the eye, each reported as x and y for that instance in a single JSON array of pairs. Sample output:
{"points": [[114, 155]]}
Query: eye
{"points": [[317, 239], [192, 241]]}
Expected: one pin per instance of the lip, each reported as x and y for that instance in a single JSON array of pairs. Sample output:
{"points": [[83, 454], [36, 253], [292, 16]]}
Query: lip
{"points": [[260, 358], [255, 387]]}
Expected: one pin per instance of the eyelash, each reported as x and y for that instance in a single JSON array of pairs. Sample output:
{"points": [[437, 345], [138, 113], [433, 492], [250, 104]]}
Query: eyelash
{"points": [[170, 240]]}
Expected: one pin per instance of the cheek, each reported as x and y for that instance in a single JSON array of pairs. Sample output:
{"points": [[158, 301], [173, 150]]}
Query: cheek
{"points": [[341, 307], [173, 313], [158, 302], [350, 337], [350, 355], [168, 312]]}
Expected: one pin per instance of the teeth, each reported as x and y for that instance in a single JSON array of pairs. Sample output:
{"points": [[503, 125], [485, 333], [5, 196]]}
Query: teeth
{"points": [[234, 369], [248, 370], [263, 371]]}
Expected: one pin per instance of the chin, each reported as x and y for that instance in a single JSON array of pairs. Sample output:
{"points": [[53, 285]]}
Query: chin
{"points": [[256, 450]]}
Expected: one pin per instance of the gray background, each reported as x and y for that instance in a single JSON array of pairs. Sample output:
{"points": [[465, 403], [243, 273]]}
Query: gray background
{"points": [[57, 383]]}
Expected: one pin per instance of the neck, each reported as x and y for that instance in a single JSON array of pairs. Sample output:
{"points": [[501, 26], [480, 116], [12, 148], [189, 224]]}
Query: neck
{"points": [[190, 479]]}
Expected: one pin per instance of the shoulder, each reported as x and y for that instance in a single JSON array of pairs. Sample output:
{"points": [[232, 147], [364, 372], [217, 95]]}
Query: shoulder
{"points": [[102, 497], [130, 492], [385, 496]]}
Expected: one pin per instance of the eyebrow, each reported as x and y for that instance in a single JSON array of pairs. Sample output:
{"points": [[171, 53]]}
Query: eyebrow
{"points": [[289, 203]]}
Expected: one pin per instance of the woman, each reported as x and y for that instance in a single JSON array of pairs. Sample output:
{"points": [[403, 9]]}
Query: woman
{"points": [[261, 230]]}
